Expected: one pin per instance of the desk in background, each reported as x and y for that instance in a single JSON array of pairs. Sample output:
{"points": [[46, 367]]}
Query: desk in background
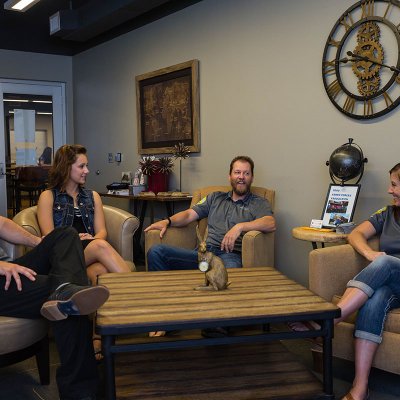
{"points": [[140, 208]]}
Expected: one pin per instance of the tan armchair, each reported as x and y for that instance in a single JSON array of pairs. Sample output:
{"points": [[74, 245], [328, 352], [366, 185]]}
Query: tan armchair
{"points": [[330, 269], [120, 226], [257, 247], [22, 338]]}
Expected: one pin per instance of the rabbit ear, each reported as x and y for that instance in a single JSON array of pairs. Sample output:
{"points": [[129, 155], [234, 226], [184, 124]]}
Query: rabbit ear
{"points": [[198, 234], [206, 233]]}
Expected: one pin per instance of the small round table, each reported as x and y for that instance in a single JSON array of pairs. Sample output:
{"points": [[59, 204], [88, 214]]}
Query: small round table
{"points": [[318, 236]]}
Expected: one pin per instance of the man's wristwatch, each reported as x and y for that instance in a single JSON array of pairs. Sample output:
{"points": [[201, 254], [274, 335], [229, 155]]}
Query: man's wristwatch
{"points": [[169, 221]]}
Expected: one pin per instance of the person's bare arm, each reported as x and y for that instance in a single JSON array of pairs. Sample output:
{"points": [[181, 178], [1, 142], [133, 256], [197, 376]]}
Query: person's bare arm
{"points": [[100, 231], [264, 224], [182, 218], [358, 239], [14, 233], [45, 212]]}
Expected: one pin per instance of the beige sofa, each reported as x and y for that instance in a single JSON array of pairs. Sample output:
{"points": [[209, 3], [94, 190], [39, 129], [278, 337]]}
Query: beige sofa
{"points": [[257, 247], [330, 269]]}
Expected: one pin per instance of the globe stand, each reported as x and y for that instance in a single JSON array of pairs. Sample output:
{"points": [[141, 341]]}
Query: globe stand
{"points": [[346, 163]]}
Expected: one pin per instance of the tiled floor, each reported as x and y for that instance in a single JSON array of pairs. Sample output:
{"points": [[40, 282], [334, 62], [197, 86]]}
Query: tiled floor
{"points": [[20, 381]]}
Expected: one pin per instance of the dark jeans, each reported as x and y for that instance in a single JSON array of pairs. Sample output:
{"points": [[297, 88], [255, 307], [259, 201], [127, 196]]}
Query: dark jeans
{"points": [[161, 257], [57, 259]]}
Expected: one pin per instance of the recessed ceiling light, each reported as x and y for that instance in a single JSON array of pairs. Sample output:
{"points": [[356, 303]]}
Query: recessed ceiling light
{"points": [[16, 100], [19, 5]]}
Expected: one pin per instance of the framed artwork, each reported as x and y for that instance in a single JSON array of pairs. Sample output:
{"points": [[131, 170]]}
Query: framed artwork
{"points": [[339, 205], [168, 109]]}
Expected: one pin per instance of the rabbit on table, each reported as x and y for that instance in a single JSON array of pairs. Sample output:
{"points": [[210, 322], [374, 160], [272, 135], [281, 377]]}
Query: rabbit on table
{"points": [[216, 275]]}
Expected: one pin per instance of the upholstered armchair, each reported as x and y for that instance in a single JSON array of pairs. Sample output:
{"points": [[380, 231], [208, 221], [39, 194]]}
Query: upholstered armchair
{"points": [[22, 338], [257, 247], [330, 269], [120, 226]]}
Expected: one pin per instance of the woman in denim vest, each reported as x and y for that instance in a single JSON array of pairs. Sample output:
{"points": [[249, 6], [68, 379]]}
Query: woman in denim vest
{"points": [[67, 203]]}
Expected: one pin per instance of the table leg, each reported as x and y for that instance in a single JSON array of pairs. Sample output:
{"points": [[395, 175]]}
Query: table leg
{"points": [[138, 253], [107, 342], [315, 246], [170, 208], [327, 325]]}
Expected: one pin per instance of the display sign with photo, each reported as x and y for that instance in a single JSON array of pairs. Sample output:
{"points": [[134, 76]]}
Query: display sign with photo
{"points": [[340, 205]]}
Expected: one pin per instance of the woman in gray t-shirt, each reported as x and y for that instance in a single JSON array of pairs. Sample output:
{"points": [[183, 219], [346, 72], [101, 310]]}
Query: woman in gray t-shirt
{"points": [[376, 289]]}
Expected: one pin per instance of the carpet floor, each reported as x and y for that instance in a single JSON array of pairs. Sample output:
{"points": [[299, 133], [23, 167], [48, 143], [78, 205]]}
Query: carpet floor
{"points": [[20, 381]]}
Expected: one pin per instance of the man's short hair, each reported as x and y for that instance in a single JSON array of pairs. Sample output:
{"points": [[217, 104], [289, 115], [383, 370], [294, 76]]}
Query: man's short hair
{"points": [[243, 159]]}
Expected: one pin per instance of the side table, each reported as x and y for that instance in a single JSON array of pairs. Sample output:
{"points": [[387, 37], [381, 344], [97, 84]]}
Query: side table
{"points": [[315, 236]]}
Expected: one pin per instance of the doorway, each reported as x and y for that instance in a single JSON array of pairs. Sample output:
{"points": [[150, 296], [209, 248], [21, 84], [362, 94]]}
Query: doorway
{"points": [[34, 125]]}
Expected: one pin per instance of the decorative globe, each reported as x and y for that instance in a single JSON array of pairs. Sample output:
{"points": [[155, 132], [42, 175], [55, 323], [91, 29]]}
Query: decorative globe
{"points": [[346, 163]]}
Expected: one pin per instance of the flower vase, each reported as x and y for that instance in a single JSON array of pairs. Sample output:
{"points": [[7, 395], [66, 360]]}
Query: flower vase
{"points": [[180, 175], [157, 182]]}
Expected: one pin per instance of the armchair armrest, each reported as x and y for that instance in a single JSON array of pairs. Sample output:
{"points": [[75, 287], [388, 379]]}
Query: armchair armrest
{"points": [[258, 249], [13, 250], [330, 269], [121, 226], [28, 220], [181, 237]]}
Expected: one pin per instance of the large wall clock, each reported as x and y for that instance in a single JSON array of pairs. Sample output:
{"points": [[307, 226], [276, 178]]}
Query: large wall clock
{"points": [[361, 60]]}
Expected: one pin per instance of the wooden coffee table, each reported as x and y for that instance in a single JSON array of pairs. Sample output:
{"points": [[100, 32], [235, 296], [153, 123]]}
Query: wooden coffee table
{"points": [[150, 301]]}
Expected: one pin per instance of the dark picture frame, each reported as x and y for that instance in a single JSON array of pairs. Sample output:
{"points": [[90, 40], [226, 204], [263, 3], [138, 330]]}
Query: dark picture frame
{"points": [[168, 109], [340, 204]]}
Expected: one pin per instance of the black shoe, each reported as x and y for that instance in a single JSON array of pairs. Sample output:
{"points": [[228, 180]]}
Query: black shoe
{"points": [[218, 332], [72, 299]]}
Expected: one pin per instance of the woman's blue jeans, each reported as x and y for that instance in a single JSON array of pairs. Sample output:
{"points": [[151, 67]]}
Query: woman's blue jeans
{"points": [[162, 257], [380, 281]]}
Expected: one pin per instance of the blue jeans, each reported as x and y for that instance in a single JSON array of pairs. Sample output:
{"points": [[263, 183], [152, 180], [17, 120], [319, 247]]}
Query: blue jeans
{"points": [[162, 257], [380, 281]]}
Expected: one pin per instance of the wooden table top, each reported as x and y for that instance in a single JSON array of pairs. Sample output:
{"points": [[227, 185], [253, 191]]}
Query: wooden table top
{"points": [[149, 301], [316, 235]]}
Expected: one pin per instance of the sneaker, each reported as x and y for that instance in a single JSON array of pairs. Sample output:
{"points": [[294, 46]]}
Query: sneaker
{"points": [[72, 299]]}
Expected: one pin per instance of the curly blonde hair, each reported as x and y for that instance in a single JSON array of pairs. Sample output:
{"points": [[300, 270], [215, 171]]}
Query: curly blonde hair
{"points": [[60, 171]]}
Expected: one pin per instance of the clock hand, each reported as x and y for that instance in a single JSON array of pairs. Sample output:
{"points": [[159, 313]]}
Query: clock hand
{"points": [[365, 58]]}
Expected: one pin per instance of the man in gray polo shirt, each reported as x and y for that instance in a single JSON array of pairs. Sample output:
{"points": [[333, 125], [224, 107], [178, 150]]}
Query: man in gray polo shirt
{"points": [[230, 216]]}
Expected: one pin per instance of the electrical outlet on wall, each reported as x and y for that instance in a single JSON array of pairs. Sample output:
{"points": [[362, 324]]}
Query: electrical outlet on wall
{"points": [[110, 157], [118, 157]]}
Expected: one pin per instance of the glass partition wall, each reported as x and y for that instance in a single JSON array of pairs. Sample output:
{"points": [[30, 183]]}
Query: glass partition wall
{"points": [[29, 146]]}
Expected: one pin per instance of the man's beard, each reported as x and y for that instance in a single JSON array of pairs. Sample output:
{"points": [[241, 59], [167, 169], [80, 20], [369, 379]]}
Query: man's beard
{"points": [[240, 192]]}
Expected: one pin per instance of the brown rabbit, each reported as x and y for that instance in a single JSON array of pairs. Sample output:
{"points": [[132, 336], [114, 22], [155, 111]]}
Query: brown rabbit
{"points": [[213, 266]]}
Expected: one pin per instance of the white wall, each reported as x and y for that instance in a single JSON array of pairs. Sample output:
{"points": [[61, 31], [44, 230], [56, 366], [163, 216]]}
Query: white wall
{"points": [[40, 67], [261, 94]]}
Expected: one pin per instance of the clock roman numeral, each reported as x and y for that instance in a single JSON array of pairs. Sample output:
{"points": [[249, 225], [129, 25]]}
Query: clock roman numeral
{"points": [[389, 6], [368, 108], [349, 104], [347, 21], [367, 9], [328, 67], [334, 42], [334, 89], [388, 100]]}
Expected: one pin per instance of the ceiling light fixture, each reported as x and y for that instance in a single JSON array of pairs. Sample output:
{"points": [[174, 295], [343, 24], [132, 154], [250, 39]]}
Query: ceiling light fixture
{"points": [[16, 100], [19, 5]]}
